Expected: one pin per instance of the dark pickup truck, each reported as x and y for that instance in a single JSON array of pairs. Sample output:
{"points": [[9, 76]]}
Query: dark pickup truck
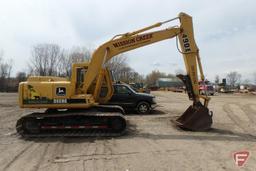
{"points": [[129, 99]]}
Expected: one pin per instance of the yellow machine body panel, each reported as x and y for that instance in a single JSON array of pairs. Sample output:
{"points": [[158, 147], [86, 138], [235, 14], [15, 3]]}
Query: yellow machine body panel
{"points": [[52, 94]]}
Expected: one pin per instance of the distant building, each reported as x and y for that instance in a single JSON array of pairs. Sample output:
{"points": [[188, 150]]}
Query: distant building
{"points": [[169, 82]]}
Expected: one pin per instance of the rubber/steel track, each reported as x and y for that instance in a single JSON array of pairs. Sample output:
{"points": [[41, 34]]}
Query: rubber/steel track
{"points": [[97, 121]]}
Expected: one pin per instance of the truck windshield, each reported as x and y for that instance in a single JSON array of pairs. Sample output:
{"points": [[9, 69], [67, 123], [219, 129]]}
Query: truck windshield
{"points": [[121, 89]]}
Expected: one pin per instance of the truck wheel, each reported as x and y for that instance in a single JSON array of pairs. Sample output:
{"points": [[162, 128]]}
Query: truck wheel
{"points": [[143, 107]]}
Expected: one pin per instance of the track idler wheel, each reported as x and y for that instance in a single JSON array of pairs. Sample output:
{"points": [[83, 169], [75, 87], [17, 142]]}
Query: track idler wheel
{"points": [[195, 118]]}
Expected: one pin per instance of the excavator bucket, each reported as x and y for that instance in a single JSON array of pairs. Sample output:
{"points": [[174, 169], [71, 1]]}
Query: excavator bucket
{"points": [[195, 118]]}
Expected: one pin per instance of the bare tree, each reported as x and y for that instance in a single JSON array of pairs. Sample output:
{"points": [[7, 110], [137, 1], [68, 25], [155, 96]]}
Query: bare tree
{"points": [[246, 81], [217, 79], [119, 67], [124, 74], [21, 76], [233, 78], [117, 63], [75, 55], [152, 78], [44, 59], [6, 68], [64, 67], [80, 54], [5, 73], [136, 77], [50, 59], [121, 70]]}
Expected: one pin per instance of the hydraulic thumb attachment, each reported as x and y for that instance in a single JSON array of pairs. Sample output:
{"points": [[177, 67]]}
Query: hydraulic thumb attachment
{"points": [[197, 117]]}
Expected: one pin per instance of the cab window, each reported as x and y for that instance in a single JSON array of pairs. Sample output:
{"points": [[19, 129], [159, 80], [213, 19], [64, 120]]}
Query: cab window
{"points": [[80, 76]]}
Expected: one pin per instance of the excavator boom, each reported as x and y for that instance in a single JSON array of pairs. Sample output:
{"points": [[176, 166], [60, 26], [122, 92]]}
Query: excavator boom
{"points": [[82, 94], [197, 116]]}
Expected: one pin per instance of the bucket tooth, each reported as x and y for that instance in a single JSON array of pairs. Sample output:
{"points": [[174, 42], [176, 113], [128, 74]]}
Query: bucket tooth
{"points": [[195, 118]]}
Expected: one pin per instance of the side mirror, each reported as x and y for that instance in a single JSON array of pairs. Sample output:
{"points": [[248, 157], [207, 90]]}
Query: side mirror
{"points": [[130, 93]]}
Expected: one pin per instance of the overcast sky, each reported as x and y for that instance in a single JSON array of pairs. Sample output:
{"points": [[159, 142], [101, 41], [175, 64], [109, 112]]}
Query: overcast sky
{"points": [[225, 30]]}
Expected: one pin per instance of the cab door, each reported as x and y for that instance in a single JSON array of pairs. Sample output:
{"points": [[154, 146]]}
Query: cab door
{"points": [[122, 96]]}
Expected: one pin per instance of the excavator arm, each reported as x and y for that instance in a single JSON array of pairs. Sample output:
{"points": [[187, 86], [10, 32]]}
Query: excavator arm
{"points": [[187, 47], [129, 41]]}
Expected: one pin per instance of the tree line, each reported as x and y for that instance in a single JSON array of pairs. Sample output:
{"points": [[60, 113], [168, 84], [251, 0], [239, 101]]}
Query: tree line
{"points": [[234, 79], [5, 72], [52, 60]]}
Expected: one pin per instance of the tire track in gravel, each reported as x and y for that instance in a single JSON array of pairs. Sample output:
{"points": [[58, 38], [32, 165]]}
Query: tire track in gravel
{"points": [[99, 150], [31, 159], [60, 154], [5, 112], [251, 113], [8, 115], [240, 120], [86, 149], [41, 157], [253, 107], [105, 152], [73, 157], [97, 155], [46, 163], [154, 146], [89, 151], [94, 162], [16, 157], [108, 150]]}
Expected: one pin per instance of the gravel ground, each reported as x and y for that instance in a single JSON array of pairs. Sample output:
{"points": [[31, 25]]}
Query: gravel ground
{"points": [[152, 142]]}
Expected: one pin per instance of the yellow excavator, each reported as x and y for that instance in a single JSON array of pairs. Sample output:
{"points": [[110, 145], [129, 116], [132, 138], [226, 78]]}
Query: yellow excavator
{"points": [[74, 108]]}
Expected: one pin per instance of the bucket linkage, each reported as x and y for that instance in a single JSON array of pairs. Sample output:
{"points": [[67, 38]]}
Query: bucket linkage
{"points": [[197, 117]]}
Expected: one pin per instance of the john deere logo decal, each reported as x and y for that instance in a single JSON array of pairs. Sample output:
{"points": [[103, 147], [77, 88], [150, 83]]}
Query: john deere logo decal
{"points": [[60, 91]]}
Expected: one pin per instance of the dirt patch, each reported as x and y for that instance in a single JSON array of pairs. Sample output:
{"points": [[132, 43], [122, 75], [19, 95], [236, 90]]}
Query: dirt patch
{"points": [[151, 142]]}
